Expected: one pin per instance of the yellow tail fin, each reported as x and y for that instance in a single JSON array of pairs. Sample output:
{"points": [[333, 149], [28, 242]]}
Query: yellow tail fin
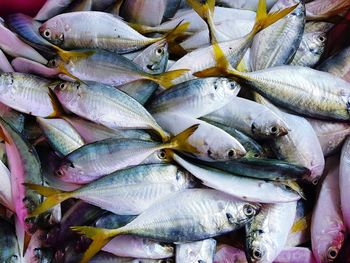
{"points": [[72, 55], [53, 197], [177, 31], [205, 9], [165, 79], [179, 142], [100, 237], [264, 20]]}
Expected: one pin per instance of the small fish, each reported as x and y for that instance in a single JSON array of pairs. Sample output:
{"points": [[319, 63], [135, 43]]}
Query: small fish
{"points": [[327, 226], [197, 208], [126, 192], [84, 164], [252, 118], [267, 233]]}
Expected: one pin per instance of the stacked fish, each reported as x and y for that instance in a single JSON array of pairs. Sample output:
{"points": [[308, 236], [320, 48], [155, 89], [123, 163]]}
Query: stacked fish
{"points": [[139, 131]]}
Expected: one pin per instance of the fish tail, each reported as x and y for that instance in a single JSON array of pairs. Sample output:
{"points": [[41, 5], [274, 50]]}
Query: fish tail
{"points": [[222, 67], [66, 55], [177, 31], [263, 19], [53, 197], [205, 9], [100, 237], [179, 142], [165, 79]]}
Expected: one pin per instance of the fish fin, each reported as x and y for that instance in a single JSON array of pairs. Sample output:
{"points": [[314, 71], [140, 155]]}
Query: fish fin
{"points": [[295, 187], [53, 197], [56, 105], [242, 66], [177, 31], [301, 224], [179, 142], [205, 9], [165, 79], [143, 29], [99, 236], [66, 55], [66, 72], [263, 19]]}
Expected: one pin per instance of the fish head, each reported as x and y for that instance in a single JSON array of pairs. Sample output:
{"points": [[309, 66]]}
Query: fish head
{"points": [[53, 31], [226, 86], [66, 91], [268, 127], [239, 213], [317, 42], [69, 172], [185, 179], [157, 56], [159, 247], [6, 82]]}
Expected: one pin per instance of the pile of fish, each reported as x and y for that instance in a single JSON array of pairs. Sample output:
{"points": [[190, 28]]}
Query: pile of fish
{"points": [[175, 131]]}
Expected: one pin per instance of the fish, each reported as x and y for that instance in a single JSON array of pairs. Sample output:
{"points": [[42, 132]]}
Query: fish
{"points": [[108, 32], [324, 102], [267, 233], [277, 44], [241, 187], [24, 65], [145, 183], [344, 182], [153, 223], [195, 98], [95, 160], [212, 143], [61, 135], [327, 226], [8, 241], [27, 93], [199, 251], [106, 105], [107, 258], [252, 118]]}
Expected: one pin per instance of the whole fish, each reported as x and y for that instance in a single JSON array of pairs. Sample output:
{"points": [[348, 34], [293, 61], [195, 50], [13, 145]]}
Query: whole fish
{"points": [[95, 160], [330, 134], [105, 105], [11, 44], [93, 132], [195, 98], [267, 232], [211, 142], [9, 251], [277, 44], [109, 68], [338, 65], [252, 118], [182, 222], [105, 31], [5, 65], [241, 187], [344, 181], [300, 89], [126, 192], [327, 226], [199, 251], [27, 93]]}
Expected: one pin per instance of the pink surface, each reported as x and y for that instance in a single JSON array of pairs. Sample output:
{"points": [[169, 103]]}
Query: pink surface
{"points": [[28, 7]]}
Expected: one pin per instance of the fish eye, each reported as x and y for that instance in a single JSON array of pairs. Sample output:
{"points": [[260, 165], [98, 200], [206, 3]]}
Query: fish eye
{"points": [[322, 38], [161, 155], [63, 86], [273, 129], [257, 254], [248, 210], [231, 153], [315, 181], [59, 173], [159, 51], [332, 253], [256, 155], [47, 33], [233, 85]]}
